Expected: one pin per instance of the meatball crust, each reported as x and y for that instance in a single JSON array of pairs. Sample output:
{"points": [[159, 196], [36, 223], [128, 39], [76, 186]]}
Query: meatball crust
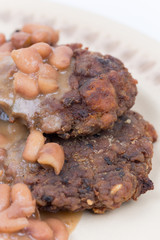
{"points": [[92, 92], [100, 171], [102, 89]]}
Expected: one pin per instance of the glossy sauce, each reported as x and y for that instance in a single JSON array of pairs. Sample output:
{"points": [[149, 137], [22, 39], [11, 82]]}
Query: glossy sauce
{"points": [[12, 138], [70, 219], [7, 68], [13, 103]]}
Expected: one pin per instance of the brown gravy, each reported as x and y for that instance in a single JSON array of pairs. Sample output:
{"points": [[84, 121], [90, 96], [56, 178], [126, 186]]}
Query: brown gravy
{"points": [[12, 103], [70, 219], [12, 138]]}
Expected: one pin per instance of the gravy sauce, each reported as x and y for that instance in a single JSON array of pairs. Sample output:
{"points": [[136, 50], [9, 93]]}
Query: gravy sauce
{"points": [[12, 138], [15, 105], [70, 220], [7, 68]]}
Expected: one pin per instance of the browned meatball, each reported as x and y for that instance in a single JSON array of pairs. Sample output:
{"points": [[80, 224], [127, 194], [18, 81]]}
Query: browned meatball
{"points": [[92, 92], [100, 171]]}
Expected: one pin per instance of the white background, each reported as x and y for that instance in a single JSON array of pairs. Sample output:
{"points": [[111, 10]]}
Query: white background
{"points": [[143, 15]]}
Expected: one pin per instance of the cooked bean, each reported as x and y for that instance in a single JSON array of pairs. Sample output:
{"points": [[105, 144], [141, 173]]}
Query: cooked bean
{"points": [[6, 47], [52, 154], [31, 28], [61, 57], [2, 155], [40, 230], [34, 143], [45, 35], [27, 59], [41, 36], [20, 193], [18, 210], [13, 218], [21, 196], [21, 39], [47, 85], [25, 85], [55, 37], [59, 229], [43, 49], [3, 140], [1, 172], [5, 191], [8, 225], [2, 38], [47, 80]]}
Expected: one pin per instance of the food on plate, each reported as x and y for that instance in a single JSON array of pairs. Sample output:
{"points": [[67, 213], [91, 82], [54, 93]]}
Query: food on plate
{"points": [[68, 140], [100, 171], [18, 218], [62, 89]]}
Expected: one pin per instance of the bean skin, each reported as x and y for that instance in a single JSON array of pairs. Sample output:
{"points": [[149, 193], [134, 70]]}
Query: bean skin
{"points": [[6, 47], [20, 193], [3, 141], [34, 143], [25, 85], [43, 49], [47, 80], [59, 229], [5, 191], [52, 154], [40, 230], [2, 38], [23, 204], [16, 206], [61, 57], [27, 59], [21, 39], [53, 35], [9, 225], [41, 36], [32, 27]]}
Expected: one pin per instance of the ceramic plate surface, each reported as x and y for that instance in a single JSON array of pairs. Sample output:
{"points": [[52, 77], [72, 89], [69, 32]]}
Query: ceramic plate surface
{"points": [[135, 219]]}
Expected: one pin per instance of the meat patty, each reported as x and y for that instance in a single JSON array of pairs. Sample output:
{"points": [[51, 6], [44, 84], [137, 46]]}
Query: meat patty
{"points": [[100, 171], [93, 92]]}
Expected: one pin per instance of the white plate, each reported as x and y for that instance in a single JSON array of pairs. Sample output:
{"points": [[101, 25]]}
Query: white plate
{"points": [[134, 220]]}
